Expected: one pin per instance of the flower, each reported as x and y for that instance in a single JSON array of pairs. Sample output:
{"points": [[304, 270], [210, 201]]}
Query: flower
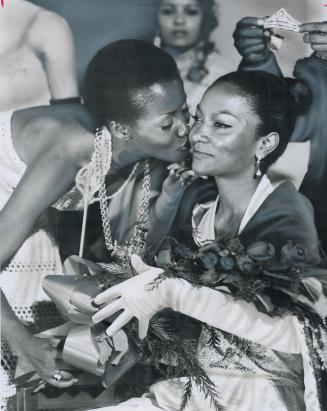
{"points": [[208, 278], [261, 251], [209, 259], [227, 262], [292, 253], [246, 264], [235, 246], [215, 248]]}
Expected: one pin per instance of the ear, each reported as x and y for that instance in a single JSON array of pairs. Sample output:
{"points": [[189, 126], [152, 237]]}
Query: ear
{"points": [[119, 131], [267, 144]]}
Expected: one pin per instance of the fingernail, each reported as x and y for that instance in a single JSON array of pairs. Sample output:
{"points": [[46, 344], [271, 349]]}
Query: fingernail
{"points": [[94, 304], [39, 387]]}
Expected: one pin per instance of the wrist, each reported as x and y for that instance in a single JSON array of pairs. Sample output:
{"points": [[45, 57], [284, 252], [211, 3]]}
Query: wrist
{"points": [[18, 338], [174, 192], [172, 293]]}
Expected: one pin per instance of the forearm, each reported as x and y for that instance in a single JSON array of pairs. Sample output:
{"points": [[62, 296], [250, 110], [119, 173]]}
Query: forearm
{"points": [[161, 216], [12, 330], [9, 244], [270, 65], [234, 316]]}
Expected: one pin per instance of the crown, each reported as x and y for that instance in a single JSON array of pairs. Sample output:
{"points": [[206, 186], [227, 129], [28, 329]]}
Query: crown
{"points": [[282, 20]]}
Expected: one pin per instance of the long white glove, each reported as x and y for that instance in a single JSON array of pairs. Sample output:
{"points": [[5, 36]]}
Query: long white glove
{"points": [[139, 299]]}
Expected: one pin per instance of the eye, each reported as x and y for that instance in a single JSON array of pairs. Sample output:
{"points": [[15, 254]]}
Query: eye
{"points": [[220, 124], [196, 118], [192, 11], [167, 11], [167, 126]]}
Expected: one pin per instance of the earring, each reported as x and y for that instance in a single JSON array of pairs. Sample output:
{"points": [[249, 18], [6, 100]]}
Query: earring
{"points": [[257, 172], [157, 40]]}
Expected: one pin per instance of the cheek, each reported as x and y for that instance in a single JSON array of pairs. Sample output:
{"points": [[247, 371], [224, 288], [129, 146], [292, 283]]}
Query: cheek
{"points": [[238, 149], [195, 26], [162, 140], [165, 24]]}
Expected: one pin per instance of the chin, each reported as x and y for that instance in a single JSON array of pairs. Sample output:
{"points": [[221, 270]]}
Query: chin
{"points": [[199, 168], [180, 44]]}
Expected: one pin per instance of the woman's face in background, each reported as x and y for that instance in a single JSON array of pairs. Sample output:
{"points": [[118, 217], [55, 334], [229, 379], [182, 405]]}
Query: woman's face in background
{"points": [[162, 130], [180, 22], [223, 136]]}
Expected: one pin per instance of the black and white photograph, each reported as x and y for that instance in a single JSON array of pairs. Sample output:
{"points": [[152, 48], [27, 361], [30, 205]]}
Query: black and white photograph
{"points": [[163, 205]]}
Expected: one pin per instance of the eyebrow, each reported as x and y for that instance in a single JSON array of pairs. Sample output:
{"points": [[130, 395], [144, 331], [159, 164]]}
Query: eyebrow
{"points": [[219, 112]]}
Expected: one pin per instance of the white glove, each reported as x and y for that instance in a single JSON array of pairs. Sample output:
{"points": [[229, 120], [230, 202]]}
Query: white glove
{"points": [[213, 307], [134, 296]]}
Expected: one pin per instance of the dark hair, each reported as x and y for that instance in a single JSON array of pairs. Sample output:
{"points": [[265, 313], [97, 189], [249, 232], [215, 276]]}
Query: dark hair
{"points": [[210, 20], [204, 46], [276, 101], [118, 78]]}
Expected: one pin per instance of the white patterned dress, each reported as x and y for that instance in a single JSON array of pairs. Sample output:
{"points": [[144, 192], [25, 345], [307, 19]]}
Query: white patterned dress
{"points": [[21, 279]]}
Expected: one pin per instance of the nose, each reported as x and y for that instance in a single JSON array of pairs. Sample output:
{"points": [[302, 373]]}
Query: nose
{"points": [[196, 137], [179, 18], [183, 130]]}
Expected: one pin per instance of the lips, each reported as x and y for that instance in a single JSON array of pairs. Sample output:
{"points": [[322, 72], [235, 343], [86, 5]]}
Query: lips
{"points": [[179, 33], [197, 153]]}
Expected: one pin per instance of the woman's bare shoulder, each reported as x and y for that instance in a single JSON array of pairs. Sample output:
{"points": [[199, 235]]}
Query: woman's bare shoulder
{"points": [[66, 128]]}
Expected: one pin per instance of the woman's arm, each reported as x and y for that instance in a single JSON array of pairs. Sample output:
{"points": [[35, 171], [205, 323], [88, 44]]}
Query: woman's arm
{"points": [[50, 171], [41, 353], [51, 38], [164, 209], [166, 192], [46, 178], [251, 41], [137, 297]]}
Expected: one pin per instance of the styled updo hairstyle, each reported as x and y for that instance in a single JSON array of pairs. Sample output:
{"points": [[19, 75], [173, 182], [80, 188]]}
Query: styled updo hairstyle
{"points": [[277, 102], [119, 77]]}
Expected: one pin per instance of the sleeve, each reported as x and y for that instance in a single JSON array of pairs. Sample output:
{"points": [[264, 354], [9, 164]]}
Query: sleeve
{"points": [[234, 316]]}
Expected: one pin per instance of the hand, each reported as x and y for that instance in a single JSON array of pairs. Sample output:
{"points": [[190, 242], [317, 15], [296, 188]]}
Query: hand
{"points": [[133, 297], [315, 34], [180, 175], [251, 40], [42, 353]]}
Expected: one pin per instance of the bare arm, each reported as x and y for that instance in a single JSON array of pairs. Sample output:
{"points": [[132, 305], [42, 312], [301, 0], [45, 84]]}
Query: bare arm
{"points": [[44, 181], [51, 38], [164, 208], [47, 177], [167, 190]]}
